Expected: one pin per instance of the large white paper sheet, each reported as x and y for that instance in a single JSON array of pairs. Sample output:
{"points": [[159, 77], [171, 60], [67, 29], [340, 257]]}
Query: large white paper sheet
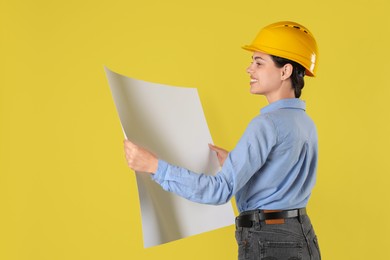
{"points": [[170, 122]]}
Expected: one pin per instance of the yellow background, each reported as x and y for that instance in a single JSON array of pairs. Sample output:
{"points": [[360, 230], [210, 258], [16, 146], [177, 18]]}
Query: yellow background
{"points": [[65, 189]]}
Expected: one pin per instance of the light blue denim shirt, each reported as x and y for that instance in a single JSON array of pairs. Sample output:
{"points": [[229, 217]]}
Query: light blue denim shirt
{"points": [[273, 166]]}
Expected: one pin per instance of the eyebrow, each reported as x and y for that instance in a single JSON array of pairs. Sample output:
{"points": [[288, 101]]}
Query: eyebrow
{"points": [[257, 57]]}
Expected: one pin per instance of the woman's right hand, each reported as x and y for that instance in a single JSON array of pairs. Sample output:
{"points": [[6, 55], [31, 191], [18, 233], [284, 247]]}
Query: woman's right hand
{"points": [[221, 153]]}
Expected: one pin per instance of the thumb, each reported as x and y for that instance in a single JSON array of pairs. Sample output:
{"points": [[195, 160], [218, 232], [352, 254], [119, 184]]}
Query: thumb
{"points": [[215, 148], [212, 147]]}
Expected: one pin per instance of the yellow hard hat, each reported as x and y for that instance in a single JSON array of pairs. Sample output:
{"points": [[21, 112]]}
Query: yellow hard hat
{"points": [[288, 40]]}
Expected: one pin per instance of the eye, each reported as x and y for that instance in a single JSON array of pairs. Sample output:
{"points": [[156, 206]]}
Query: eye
{"points": [[258, 64]]}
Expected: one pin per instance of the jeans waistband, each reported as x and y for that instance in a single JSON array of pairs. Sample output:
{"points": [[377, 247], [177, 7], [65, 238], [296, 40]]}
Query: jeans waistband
{"points": [[248, 218]]}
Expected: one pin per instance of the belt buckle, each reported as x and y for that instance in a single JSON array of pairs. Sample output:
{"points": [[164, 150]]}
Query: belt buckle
{"points": [[273, 221]]}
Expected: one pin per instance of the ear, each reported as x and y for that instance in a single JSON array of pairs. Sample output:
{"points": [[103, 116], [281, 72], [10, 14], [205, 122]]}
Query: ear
{"points": [[286, 71]]}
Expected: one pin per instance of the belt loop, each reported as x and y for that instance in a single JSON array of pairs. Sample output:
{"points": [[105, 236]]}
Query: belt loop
{"points": [[257, 224], [257, 215], [300, 219]]}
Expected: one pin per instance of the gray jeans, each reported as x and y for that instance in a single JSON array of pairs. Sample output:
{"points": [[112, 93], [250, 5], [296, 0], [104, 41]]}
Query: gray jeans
{"points": [[293, 240]]}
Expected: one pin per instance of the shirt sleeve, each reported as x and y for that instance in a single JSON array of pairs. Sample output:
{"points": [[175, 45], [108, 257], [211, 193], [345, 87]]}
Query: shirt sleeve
{"points": [[242, 163]]}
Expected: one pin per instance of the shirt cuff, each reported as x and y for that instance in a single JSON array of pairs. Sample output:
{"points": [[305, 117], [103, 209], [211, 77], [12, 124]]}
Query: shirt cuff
{"points": [[162, 169]]}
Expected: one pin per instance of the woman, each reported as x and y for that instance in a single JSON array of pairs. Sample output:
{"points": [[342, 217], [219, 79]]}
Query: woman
{"points": [[272, 170]]}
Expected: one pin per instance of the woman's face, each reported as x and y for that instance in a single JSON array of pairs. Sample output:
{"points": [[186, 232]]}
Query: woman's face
{"points": [[265, 77]]}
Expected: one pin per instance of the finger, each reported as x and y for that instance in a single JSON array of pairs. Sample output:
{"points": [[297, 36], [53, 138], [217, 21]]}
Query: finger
{"points": [[129, 143], [212, 147], [215, 148], [128, 150]]}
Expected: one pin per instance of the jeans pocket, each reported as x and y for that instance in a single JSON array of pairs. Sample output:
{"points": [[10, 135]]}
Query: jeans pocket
{"points": [[281, 250]]}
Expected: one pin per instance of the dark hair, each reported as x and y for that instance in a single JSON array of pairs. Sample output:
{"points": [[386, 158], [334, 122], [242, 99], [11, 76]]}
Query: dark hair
{"points": [[297, 75]]}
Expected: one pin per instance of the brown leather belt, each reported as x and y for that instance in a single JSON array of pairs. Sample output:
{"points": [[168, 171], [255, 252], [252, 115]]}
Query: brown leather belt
{"points": [[248, 218]]}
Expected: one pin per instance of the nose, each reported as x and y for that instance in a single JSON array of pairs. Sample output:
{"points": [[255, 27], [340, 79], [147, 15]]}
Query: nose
{"points": [[249, 69]]}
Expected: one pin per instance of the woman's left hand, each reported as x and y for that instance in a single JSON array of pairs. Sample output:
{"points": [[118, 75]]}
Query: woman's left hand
{"points": [[140, 159], [222, 154]]}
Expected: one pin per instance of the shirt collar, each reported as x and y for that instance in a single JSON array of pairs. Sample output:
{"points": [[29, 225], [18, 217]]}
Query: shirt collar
{"points": [[295, 103]]}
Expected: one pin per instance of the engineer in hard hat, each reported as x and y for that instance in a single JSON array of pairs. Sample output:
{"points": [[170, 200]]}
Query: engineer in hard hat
{"points": [[272, 170]]}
